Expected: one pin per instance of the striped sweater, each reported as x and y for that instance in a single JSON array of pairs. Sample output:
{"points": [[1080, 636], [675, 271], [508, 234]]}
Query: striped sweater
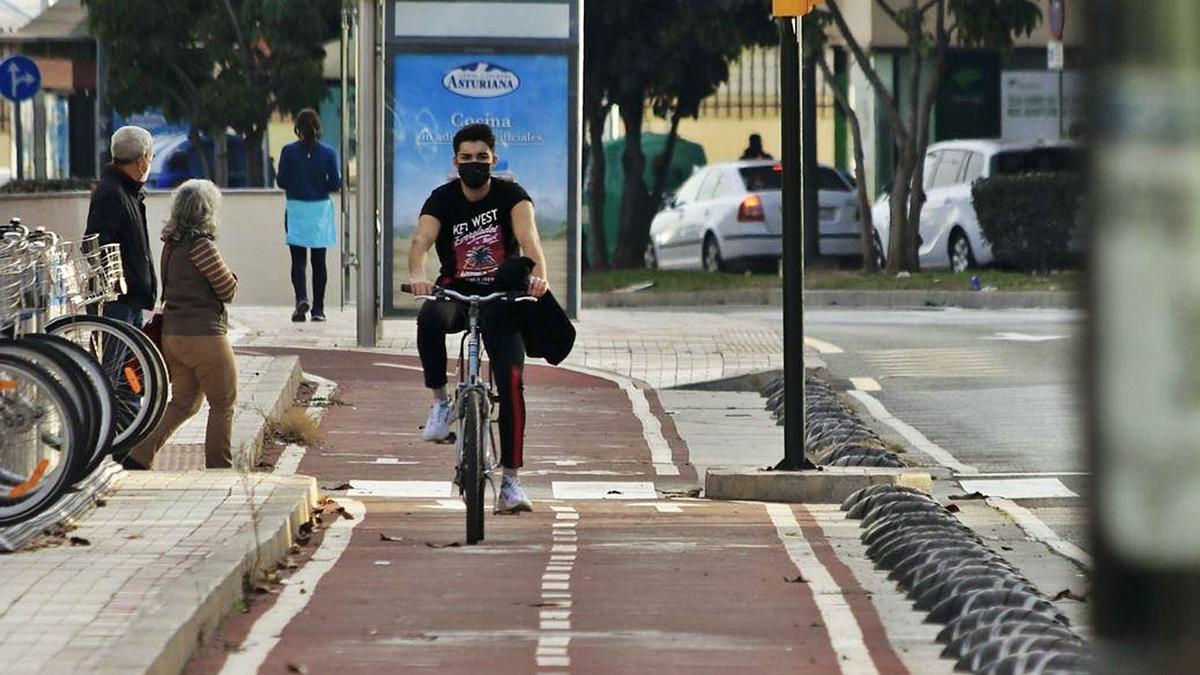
{"points": [[197, 284]]}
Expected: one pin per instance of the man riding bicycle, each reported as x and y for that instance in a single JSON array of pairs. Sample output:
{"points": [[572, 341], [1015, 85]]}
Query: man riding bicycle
{"points": [[477, 222]]}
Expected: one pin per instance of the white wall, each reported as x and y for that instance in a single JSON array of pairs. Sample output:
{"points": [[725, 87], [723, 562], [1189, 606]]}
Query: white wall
{"points": [[250, 237]]}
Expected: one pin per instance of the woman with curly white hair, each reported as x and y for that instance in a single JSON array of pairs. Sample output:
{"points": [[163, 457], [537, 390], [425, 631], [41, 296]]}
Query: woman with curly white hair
{"points": [[196, 286]]}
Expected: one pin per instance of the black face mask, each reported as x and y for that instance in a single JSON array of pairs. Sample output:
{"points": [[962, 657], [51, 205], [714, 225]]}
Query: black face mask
{"points": [[474, 174]]}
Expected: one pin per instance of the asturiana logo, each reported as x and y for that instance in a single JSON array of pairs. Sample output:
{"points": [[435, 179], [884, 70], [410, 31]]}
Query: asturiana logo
{"points": [[481, 80]]}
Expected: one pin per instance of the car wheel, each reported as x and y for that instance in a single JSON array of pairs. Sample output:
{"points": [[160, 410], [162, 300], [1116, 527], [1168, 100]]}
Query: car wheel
{"points": [[650, 258], [880, 257], [712, 254], [962, 258]]}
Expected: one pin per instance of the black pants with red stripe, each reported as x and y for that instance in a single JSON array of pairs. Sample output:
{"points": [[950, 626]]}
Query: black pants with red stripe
{"points": [[506, 352]]}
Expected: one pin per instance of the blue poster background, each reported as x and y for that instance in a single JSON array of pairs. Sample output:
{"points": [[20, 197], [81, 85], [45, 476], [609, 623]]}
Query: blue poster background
{"points": [[528, 113]]}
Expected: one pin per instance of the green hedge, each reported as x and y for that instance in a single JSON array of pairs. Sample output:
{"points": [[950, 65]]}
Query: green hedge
{"points": [[1029, 218], [46, 185]]}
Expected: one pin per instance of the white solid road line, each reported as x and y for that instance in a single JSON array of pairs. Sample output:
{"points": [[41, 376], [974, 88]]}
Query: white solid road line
{"points": [[268, 629], [918, 439], [843, 628], [1039, 530], [660, 451], [822, 346]]}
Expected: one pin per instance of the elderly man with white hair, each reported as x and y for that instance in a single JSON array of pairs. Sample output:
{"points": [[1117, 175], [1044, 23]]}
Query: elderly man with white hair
{"points": [[118, 215]]}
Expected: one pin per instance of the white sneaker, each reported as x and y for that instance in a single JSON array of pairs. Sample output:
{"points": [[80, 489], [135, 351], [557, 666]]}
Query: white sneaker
{"points": [[512, 498], [437, 425]]}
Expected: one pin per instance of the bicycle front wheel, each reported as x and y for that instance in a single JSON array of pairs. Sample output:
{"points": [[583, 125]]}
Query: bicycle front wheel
{"points": [[131, 364], [471, 462], [41, 439]]}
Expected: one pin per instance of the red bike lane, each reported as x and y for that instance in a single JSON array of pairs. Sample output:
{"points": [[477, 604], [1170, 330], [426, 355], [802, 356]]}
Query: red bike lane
{"points": [[617, 570]]}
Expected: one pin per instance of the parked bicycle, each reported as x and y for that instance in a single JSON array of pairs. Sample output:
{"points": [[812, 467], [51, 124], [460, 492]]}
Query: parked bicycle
{"points": [[74, 388], [475, 446]]}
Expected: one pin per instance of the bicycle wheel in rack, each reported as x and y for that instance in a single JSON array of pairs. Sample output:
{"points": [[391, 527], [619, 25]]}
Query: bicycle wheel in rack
{"points": [[40, 439], [82, 397], [131, 364], [471, 461], [103, 388]]}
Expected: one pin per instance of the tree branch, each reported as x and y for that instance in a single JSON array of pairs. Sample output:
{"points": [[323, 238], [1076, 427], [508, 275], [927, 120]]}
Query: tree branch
{"points": [[927, 6], [891, 13], [864, 63]]}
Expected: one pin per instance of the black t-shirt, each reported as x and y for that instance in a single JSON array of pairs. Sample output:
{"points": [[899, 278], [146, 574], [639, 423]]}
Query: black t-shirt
{"points": [[475, 237]]}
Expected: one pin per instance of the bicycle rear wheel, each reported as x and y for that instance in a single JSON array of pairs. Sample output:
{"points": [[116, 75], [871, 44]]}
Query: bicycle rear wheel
{"points": [[471, 461], [40, 439]]}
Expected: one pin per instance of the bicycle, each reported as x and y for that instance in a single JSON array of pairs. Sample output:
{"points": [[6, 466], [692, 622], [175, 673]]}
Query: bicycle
{"points": [[74, 388], [473, 397]]}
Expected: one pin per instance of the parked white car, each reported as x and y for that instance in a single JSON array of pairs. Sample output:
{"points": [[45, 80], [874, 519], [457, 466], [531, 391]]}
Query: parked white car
{"points": [[733, 213], [950, 235]]}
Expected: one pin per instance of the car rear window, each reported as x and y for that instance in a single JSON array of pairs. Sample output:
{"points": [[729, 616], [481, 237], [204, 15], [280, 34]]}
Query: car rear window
{"points": [[769, 177], [1050, 160]]}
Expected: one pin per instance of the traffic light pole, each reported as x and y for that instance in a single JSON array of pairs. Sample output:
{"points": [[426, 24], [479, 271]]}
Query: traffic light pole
{"points": [[793, 249]]}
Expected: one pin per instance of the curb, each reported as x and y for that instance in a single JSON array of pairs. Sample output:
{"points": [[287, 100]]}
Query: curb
{"points": [[217, 582], [859, 299], [283, 377], [831, 485]]}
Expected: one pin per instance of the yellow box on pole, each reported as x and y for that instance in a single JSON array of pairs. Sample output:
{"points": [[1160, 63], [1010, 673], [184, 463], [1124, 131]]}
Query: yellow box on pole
{"points": [[793, 7]]}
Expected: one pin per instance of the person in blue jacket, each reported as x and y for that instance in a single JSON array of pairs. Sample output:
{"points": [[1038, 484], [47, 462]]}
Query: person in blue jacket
{"points": [[309, 174]]}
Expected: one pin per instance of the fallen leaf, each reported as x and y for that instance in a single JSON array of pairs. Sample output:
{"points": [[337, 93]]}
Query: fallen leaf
{"points": [[953, 508], [101, 503], [1006, 548], [79, 541], [453, 544], [613, 492], [1068, 594], [344, 513], [798, 579], [973, 495], [336, 488], [262, 589], [297, 668], [388, 537]]}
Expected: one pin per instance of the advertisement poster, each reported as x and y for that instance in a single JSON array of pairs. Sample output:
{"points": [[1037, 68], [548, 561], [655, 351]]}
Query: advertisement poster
{"points": [[524, 98]]}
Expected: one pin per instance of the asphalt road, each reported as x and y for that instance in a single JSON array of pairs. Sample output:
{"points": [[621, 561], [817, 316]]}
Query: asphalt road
{"points": [[999, 390]]}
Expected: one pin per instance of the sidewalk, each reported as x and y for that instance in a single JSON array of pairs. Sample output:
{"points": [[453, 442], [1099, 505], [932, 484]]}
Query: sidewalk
{"points": [[160, 557]]}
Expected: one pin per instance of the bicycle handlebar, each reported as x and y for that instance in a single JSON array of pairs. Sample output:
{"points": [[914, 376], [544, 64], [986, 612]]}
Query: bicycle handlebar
{"points": [[440, 293]]}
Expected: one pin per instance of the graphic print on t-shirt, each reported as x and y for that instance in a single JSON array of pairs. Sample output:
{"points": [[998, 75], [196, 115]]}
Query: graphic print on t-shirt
{"points": [[479, 247]]}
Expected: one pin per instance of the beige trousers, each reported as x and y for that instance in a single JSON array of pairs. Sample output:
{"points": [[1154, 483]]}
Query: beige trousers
{"points": [[201, 367]]}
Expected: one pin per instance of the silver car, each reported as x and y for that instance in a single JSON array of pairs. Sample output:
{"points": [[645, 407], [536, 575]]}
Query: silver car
{"points": [[730, 214]]}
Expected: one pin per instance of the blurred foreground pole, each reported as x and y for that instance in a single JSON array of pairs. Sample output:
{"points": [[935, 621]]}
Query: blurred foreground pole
{"points": [[347, 60], [1143, 367], [793, 246], [368, 87]]}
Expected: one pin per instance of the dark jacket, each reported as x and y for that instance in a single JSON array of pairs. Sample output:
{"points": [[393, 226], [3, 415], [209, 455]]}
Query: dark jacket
{"points": [[118, 214], [544, 326], [308, 174]]}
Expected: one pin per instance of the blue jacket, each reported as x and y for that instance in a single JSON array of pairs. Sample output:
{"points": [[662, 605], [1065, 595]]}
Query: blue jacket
{"points": [[308, 177]]}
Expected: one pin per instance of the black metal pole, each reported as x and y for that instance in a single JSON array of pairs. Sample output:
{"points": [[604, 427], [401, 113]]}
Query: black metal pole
{"points": [[793, 251], [19, 130]]}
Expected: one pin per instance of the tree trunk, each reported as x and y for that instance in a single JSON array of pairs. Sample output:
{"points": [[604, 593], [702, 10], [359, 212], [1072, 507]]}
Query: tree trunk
{"points": [[597, 197], [256, 175], [898, 246], [865, 227], [198, 148], [634, 227], [221, 158], [662, 165]]}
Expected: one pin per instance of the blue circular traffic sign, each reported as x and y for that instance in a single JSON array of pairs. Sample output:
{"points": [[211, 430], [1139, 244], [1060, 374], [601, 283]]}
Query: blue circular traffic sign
{"points": [[20, 78]]}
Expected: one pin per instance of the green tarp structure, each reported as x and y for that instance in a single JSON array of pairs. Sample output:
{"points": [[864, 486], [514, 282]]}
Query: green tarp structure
{"points": [[687, 157]]}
